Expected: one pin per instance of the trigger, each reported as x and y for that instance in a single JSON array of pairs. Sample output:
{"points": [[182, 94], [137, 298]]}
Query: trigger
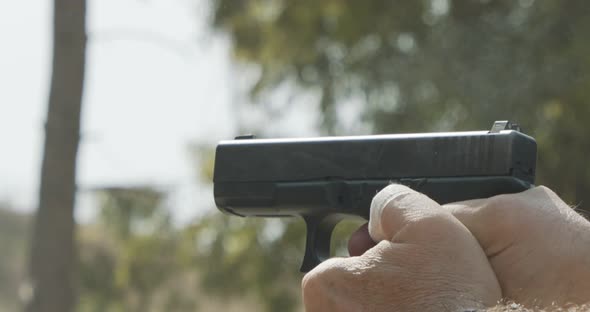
{"points": [[317, 243]]}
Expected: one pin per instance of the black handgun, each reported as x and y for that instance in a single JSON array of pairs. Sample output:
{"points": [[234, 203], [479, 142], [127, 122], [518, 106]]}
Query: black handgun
{"points": [[327, 179]]}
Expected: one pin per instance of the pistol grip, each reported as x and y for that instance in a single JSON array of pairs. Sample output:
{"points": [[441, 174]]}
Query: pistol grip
{"points": [[317, 243]]}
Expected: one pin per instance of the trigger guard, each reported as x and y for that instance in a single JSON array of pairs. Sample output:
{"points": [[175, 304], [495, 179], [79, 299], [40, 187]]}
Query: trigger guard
{"points": [[317, 243]]}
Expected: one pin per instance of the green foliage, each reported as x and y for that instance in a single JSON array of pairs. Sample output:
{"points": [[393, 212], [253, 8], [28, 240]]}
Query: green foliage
{"points": [[204, 159], [256, 258], [432, 65], [131, 259], [130, 210], [250, 257]]}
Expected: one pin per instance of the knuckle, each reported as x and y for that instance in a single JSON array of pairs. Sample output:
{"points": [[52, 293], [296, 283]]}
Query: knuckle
{"points": [[507, 212], [536, 193], [498, 210], [327, 285], [311, 285], [407, 200], [383, 198], [309, 282], [409, 207], [323, 274], [397, 188], [397, 207], [543, 190], [401, 199], [496, 203], [506, 203]]}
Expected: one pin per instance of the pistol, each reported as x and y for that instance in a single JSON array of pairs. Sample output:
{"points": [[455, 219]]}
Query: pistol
{"points": [[326, 179]]}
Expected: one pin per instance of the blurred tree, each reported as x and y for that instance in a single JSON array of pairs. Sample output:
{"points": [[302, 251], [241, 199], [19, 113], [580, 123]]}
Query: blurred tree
{"points": [[130, 260], [432, 65], [128, 210], [53, 255], [13, 233]]}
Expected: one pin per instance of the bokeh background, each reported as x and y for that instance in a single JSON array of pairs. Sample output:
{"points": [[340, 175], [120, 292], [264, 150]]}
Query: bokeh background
{"points": [[164, 80]]}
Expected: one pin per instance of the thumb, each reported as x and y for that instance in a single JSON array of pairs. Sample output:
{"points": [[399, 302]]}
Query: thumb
{"points": [[400, 214], [484, 223], [427, 242], [501, 221]]}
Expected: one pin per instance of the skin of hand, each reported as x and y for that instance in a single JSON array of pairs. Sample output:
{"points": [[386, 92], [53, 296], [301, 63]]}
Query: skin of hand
{"points": [[537, 245], [426, 260]]}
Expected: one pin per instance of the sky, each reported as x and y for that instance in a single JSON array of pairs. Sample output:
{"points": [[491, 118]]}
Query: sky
{"points": [[156, 81]]}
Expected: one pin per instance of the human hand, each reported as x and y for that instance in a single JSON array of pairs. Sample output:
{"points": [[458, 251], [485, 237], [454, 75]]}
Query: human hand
{"points": [[426, 260], [538, 246]]}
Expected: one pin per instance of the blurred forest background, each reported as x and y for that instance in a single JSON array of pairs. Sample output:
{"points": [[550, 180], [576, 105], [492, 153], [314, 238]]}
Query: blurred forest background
{"points": [[372, 66]]}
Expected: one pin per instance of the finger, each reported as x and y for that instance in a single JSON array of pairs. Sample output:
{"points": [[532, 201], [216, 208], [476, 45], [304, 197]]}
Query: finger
{"points": [[396, 206], [360, 241], [330, 286]]}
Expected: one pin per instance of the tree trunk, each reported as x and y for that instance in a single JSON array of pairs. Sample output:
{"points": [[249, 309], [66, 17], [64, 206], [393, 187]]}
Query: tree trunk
{"points": [[53, 254]]}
